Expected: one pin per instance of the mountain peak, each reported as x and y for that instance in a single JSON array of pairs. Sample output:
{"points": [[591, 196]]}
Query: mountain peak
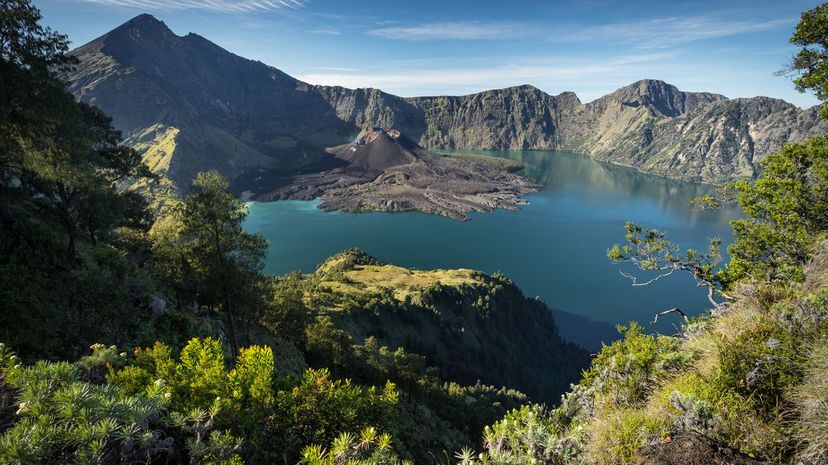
{"points": [[143, 31], [144, 18], [568, 100], [650, 83], [658, 97], [144, 23]]}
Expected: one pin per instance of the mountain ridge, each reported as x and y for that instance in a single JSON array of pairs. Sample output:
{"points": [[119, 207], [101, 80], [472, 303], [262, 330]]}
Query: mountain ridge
{"points": [[238, 115]]}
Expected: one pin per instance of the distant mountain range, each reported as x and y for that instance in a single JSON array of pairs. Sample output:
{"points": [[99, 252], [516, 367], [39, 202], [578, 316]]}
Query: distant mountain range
{"points": [[188, 105]]}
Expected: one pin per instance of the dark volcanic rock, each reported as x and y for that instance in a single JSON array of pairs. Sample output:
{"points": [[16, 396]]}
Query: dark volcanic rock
{"points": [[694, 449], [379, 150], [386, 171]]}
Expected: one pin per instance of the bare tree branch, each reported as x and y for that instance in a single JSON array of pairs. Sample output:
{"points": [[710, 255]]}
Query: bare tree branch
{"points": [[650, 251], [635, 282], [672, 310]]}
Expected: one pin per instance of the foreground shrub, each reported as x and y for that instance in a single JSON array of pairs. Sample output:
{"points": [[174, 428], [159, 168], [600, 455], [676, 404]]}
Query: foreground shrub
{"points": [[811, 401], [369, 448], [529, 435], [62, 418], [618, 436]]}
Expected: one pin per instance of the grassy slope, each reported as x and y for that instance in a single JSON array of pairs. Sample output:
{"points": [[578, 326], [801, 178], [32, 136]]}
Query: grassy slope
{"points": [[470, 325], [750, 377]]}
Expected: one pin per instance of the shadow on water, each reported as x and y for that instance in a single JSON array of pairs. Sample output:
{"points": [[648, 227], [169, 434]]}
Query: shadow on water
{"points": [[587, 333]]}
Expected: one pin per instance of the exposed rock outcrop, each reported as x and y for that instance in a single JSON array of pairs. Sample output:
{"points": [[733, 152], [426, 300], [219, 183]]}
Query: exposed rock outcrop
{"points": [[694, 449]]}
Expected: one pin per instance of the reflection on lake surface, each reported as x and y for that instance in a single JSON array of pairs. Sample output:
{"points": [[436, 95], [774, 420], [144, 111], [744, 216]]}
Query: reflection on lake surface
{"points": [[553, 248]]}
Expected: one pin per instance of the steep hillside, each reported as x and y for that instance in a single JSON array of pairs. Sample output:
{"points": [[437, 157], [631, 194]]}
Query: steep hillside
{"points": [[228, 113], [514, 118], [241, 116], [744, 384], [692, 136], [470, 325]]}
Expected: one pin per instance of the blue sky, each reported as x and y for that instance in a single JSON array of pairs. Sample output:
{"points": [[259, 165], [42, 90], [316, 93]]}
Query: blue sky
{"points": [[428, 47]]}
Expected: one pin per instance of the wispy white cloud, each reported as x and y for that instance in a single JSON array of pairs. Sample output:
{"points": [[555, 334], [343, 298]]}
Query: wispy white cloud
{"points": [[328, 31], [222, 6], [652, 33], [555, 75], [335, 69], [451, 31], [668, 32]]}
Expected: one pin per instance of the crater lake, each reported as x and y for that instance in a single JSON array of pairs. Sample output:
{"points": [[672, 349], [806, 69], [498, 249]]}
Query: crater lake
{"points": [[553, 248]]}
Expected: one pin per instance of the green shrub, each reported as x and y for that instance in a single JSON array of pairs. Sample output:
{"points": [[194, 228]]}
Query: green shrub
{"points": [[530, 435], [760, 364], [811, 406], [369, 448], [63, 418], [321, 408], [625, 372], [616, 437]]}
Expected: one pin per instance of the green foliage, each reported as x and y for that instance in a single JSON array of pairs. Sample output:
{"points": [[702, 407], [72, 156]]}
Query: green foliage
{"points": [[464, 323], [74, 166], [748, 365], [275, 416], [251, 380], [650, 251], [200, 377], [625, 372], [320, 408], [811, 62], [370, 448], [286, 314], [811, 404], [62, 418], [621, 434], [740, 392], [30, 59], [528, 435], [60, 163], [205, 251], [787, 212], [326, 345], [760, 364]]}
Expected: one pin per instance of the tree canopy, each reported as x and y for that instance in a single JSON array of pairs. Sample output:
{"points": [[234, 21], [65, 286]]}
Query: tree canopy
{"points": [[810, 64]]}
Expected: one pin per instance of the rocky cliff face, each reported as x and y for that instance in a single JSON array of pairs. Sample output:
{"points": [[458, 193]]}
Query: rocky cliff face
{"points": [[216, 110], [657, 97], [697, 137], [521, 117]]}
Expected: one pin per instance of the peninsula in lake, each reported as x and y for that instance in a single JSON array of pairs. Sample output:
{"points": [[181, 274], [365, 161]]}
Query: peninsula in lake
{"points": [[386, 171]]}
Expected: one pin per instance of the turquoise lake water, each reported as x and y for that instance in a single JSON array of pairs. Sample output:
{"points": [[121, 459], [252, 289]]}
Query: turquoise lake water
{"points": [[553, 248]]}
